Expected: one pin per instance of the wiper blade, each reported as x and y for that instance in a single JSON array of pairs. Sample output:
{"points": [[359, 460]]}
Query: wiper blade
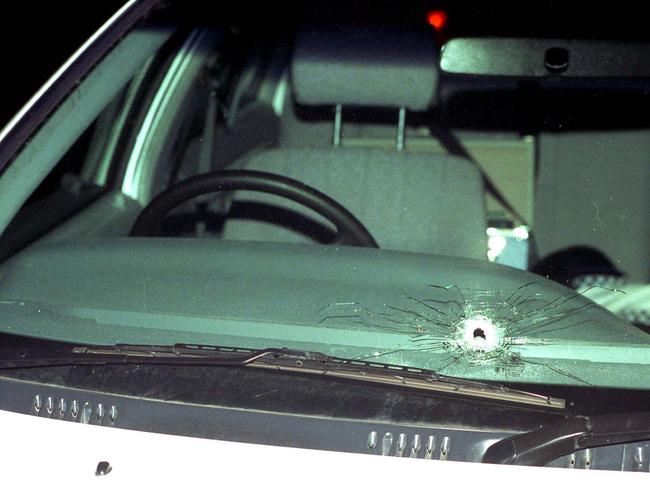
{"points": [[543, 445], [286, 360]]}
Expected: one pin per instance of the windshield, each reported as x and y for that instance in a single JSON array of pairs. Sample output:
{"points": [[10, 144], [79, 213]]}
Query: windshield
{"points": [[357, 185]]}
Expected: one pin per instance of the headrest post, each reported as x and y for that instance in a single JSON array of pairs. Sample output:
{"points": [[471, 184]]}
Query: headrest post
{"points": [[338, 125], [401, 125]]}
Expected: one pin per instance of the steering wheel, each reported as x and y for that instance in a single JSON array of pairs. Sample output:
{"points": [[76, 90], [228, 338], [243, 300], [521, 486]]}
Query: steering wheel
{"points": [[349, 231]]}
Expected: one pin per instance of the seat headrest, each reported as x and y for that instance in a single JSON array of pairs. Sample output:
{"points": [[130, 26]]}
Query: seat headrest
{"points": [[368, 67]]}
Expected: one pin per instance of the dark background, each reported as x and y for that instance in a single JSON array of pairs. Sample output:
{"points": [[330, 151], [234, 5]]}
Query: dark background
{"points": [[37, 38]]}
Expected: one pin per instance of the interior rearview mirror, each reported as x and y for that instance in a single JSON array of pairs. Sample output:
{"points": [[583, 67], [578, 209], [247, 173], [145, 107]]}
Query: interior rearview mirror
{"points": [[534, 58]]}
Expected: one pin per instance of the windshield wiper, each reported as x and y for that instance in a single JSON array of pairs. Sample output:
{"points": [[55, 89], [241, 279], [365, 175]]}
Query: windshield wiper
{"points": [[543, 445], [286, 360]]}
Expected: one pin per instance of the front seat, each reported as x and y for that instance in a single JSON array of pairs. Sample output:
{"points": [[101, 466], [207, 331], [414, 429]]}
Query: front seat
{"points": [[409, 201]]}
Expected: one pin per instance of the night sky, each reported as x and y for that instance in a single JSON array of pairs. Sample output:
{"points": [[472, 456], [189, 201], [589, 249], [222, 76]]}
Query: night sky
{"points": [[36, 38]]}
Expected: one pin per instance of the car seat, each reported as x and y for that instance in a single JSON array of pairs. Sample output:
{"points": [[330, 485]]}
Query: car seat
{"points": [[409, 201]]}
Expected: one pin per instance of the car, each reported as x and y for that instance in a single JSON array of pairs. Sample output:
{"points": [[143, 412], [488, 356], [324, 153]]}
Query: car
{"points": [[351, 242]]}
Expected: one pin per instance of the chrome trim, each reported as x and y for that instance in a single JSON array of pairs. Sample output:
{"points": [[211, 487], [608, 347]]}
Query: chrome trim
{"points": [[132, 183], [101, 174]]}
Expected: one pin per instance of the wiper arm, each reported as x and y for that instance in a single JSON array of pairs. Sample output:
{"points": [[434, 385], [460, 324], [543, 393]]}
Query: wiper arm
{"points": [[287, 360], [541, 446]]}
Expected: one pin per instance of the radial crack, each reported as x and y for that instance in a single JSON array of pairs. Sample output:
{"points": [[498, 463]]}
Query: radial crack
{"points": [[474, 328]]}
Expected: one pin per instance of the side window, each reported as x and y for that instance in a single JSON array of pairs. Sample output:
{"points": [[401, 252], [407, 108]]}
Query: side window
{"points": [[80, 177]]}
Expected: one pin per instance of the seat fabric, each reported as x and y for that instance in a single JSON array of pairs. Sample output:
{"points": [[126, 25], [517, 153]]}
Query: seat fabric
{"points": [[408, 201]]}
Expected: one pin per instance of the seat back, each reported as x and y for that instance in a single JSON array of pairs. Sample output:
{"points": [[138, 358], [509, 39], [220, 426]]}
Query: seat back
{"points": [[408, 201]]}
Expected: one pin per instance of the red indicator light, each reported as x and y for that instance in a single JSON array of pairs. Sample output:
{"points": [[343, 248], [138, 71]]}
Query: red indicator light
{"points": [[437, 19]]}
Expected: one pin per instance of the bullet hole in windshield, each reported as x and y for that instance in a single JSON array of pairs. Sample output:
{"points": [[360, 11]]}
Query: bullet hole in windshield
{"points": [[475, 329]]}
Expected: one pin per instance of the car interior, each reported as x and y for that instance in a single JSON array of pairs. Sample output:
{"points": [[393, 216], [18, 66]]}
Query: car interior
{"points": [[345, 109]]}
